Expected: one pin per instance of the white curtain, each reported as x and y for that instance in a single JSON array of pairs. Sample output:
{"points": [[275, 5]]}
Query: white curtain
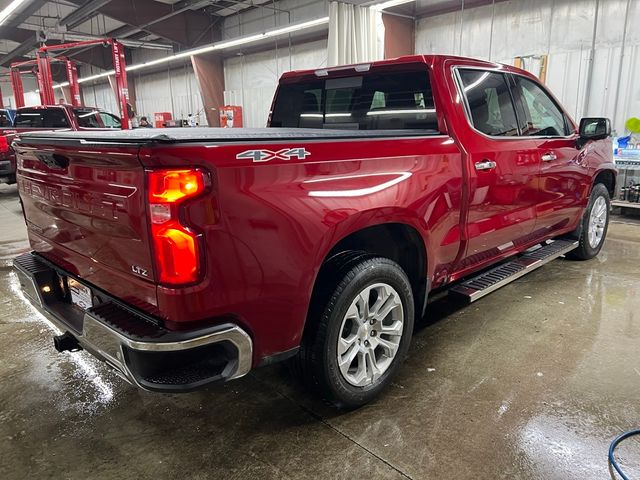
{"points": [[356, 34]]}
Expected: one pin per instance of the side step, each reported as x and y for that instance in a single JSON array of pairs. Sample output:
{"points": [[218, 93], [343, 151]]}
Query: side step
{"points": [[491, 280]]}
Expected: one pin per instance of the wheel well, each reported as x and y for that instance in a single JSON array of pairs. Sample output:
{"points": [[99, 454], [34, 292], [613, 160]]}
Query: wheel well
{"points": [[398, 242], [608, 179]]}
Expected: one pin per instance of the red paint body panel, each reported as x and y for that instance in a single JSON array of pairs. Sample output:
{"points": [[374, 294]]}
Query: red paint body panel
{"points": [[266, 228]]}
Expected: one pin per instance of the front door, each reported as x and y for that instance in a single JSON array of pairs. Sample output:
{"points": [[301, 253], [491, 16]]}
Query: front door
{"points": [[563, 176]]}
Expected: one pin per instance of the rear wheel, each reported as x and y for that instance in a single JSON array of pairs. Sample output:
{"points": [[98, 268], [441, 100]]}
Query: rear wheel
{"points": [[360, 331], [594, 226]]}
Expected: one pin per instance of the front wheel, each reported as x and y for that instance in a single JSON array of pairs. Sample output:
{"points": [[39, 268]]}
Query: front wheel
{"points": [[361, 332], [594, 226]]}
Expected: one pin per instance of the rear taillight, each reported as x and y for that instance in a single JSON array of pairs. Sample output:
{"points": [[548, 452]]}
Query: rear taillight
{"points": [[4, 145], [176, 248]]}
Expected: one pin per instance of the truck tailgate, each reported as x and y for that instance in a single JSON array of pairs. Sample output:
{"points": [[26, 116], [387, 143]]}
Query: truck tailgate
{"points": [[85, 211]]}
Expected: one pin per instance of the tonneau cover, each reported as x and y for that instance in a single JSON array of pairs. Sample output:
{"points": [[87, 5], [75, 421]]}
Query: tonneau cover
{"points": [[180, 135]]}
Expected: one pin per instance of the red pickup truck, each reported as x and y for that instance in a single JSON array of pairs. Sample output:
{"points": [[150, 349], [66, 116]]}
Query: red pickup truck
{"points": [[185, 256], [49, 117]]}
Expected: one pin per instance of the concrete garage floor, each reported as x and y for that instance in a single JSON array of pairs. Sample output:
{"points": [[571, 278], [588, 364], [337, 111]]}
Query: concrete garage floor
{"points": [[530, 382]]}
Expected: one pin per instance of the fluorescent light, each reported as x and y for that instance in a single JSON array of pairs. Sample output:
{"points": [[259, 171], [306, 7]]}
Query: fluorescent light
{"points": [[219, 46], [4, 14], [328, 115], [389, 4], [473, 85], [209, 48], [408, 110], [401, 176]]}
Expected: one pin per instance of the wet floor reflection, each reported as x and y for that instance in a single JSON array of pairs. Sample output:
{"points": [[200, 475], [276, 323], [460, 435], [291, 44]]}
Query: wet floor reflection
{"points": [[531, 382]]}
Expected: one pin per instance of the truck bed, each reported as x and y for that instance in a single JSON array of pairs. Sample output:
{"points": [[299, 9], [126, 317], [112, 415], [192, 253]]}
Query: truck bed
{"points": [[222, 135]]}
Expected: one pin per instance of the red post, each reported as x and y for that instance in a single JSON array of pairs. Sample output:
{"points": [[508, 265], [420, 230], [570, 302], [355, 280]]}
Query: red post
{"points": [[122, 89], [45, 81], [18, 90], [74, 86], [1, 100], [38, 75]]}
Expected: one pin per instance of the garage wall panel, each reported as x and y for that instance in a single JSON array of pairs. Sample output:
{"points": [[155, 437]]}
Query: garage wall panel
{"points": [[251, 80], [561, 29], [175, 91], [270, 15]]}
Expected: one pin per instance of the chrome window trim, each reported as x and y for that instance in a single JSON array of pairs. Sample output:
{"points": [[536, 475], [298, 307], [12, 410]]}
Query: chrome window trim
{"points": [[458, 82]]}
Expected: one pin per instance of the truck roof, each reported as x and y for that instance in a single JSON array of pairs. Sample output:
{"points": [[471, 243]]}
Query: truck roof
{"points": [[407, 59], [58, 105]]}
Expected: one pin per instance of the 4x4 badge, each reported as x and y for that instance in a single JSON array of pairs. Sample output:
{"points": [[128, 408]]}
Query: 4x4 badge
{"points": [[258, 156]]}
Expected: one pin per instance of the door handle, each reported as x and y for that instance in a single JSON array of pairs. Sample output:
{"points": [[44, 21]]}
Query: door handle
{"points": [[549, 157], [485, 165]]}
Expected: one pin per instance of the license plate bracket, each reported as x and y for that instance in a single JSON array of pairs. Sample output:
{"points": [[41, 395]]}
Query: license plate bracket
{"points": [[81, 295]]}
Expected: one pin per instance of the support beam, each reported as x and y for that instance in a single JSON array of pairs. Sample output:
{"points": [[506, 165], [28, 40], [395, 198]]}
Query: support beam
{"points": [[21, 16], [81, 14], [399, 35], [20, 51], [209, 72], [157, 18]]}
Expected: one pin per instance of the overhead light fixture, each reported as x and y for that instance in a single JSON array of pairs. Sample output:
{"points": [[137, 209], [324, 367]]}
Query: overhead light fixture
{"points": [[209, 48], [9, 9], [390, 3]]}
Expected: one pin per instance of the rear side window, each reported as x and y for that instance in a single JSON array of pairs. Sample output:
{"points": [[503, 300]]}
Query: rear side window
{"points": [[489, 102], [373, 101], [543, 116], [39, 118]]}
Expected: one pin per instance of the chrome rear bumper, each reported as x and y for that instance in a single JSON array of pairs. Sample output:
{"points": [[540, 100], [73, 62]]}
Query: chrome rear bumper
{"points": [[141, 352]]}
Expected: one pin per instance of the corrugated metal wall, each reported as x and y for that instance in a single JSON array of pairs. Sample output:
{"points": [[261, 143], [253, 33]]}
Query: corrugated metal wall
{"points": [[174, 91], [561, 29], [251, 80], [100, 95]]}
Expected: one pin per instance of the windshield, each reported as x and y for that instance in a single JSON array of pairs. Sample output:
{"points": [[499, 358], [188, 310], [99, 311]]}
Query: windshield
{"points": [[92, 118], [370, 101]]}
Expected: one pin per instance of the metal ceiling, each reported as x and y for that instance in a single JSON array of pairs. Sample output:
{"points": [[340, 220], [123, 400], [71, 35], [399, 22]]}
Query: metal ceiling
{"points": [[174, 24], [168, 24]]}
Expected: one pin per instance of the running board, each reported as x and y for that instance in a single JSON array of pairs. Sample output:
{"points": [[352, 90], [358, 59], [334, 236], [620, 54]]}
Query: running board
{"points": [[491, 280]]}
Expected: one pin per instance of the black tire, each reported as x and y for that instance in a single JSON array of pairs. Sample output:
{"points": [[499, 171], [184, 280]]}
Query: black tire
{"points": [[342, 281], [585, 250]]}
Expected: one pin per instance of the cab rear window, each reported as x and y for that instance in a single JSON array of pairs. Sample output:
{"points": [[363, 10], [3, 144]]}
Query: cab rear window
{"points": [[40, 118], [398, 100]]}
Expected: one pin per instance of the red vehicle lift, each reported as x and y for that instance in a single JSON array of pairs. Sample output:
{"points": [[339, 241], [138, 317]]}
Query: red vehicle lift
{"points": [[45, 81], [119, 65]]}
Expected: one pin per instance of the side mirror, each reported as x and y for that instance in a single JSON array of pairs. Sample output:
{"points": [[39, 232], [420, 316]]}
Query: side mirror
{"points": [[594, 128]]}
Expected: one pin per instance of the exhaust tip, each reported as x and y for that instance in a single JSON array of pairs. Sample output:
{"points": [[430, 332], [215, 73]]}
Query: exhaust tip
{"points": [[66, 343]]}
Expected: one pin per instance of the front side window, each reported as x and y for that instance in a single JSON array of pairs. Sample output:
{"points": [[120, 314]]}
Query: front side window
{"points": [[372, 101], [92, 118], [543, 117], [109, 120], [490, 103]]}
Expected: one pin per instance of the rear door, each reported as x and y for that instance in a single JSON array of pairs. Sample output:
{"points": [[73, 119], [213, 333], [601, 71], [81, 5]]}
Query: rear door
{"points": [[563, 177], [502, 168]]}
